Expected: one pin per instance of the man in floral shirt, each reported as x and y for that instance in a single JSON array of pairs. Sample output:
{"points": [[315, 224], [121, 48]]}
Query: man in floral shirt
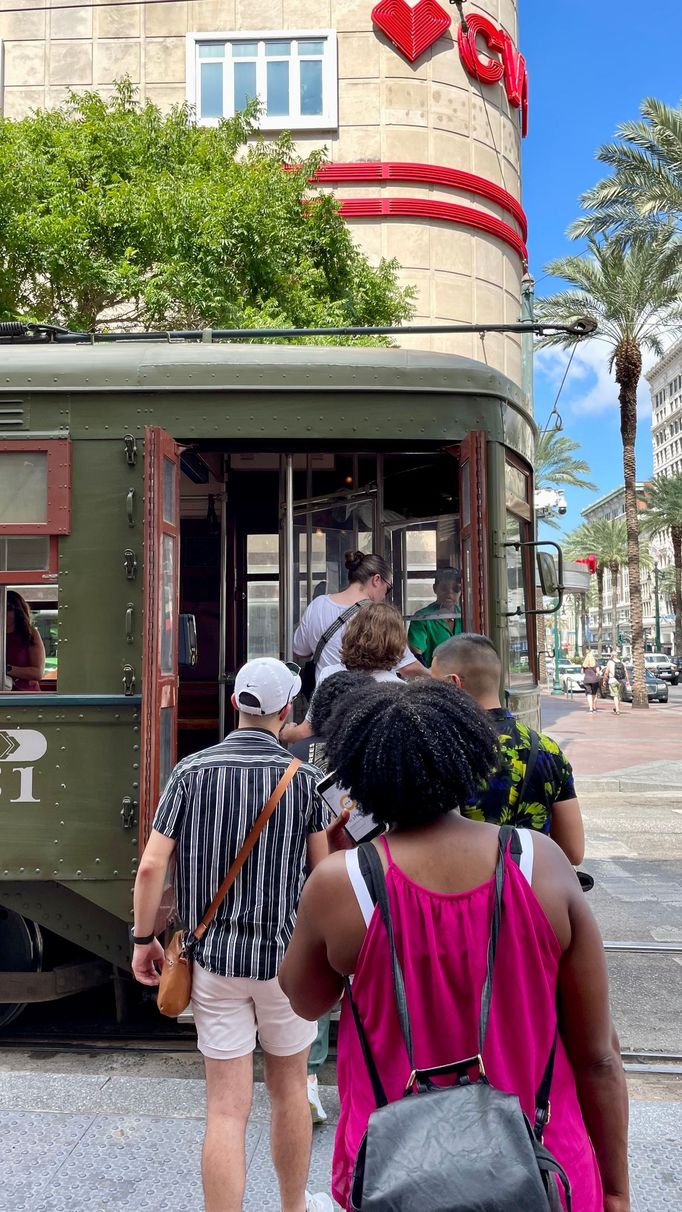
{"points": [[533, 786]]}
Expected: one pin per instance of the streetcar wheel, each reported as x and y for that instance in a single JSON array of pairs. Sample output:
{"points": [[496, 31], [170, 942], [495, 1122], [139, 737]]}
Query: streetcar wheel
{"points": [[21, 950]]}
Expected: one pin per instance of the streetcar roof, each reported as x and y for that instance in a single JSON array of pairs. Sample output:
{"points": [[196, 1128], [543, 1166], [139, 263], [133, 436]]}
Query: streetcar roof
{"points": [[152, 365]]}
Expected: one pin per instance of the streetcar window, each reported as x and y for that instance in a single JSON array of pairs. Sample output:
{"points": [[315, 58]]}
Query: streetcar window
{"points": [[519, 653], [23, 491], [166, 621], [43, 608]]}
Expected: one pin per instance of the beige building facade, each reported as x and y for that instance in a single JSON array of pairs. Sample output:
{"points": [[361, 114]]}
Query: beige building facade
{"points": [[422, 122]]}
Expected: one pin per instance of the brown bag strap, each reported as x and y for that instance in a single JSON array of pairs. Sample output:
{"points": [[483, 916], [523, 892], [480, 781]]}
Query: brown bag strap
{"points": [[261, 821]]}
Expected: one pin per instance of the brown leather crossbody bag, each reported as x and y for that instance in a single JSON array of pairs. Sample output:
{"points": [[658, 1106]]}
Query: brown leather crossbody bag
{"points": [[175, 986]]}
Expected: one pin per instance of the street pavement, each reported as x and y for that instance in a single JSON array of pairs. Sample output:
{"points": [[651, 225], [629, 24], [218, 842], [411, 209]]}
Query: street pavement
{"points": [[628, 772]]}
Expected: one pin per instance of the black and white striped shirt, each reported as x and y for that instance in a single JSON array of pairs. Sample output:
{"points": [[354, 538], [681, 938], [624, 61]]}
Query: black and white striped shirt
{"points": [[209, 805]]}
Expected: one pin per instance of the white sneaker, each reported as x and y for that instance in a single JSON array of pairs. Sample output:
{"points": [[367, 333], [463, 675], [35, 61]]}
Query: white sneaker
{"points": [[318, 1203], [316, 1109]]}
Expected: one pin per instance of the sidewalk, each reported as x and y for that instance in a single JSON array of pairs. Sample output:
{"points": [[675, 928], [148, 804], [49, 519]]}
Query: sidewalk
{"points": [[102, 1143], [638, 751]]}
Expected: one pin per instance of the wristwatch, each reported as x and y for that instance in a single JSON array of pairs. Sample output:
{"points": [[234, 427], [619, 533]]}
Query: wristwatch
{"points": [[140, 940]]}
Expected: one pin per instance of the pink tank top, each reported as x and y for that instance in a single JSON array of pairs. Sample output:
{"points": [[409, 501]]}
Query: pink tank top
{"points": [[18, 652], [442, 942]]}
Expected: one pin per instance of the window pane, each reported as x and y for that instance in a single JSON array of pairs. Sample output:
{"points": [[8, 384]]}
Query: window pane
{"points": [[42, 604], [516, 491], [278, 89], [262, 603], [211, 90], [244, 50], [262, 553], [211, 50], [23, 486], [165, 745], [244, 84], [25, 552], [519, 659], [169, 478], [167, 619], [277, 48], [308, 47], [466, 499], [311, 86]]}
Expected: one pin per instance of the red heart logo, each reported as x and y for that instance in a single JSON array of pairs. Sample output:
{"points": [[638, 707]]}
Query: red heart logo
{"points": [[412, 28]]}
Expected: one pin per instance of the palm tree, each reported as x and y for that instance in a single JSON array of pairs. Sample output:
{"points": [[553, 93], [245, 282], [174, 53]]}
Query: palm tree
{"points": [[664, 512], [607, 539], [633, 295], [646, 185], [555, 466]]}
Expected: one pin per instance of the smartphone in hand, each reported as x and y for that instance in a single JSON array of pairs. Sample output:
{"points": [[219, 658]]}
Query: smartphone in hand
{"points": [[360, 827]]}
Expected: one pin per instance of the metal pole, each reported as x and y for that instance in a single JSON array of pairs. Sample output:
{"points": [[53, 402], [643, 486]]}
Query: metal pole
{"points": [[288, 563], [556, 685], [222, 642], [657, 609], [527, 301]]}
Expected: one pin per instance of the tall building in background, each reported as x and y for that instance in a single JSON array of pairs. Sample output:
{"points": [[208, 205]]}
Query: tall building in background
{"points": [[422, 122], [665, 382], [612, 505]]}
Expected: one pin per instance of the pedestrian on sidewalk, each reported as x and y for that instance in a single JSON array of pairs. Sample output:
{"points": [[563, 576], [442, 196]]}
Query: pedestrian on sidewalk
{"points": [[591, 680], [412, 757], [616, 677], [533, 785], [208, 807]]}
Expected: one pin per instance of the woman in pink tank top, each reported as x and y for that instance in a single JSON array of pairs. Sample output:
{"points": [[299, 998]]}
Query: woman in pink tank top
{"points": [[412, 756]]}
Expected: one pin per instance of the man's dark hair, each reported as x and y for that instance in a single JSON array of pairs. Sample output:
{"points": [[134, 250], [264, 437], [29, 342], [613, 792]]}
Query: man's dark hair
{"points": [[410, 754], [447, 574], [330, 692]]}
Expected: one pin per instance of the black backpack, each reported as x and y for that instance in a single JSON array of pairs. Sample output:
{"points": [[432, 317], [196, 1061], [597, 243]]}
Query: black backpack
{"points": [[619, 671], [467, 1147]]}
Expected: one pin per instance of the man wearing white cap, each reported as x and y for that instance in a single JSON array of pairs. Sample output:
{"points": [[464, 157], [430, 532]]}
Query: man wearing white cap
{"points": [[207, 809]]}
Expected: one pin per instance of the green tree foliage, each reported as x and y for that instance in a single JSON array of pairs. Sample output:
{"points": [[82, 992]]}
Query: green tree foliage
{"points": [[664, 512], [645, 187], [555, 464], [111, 212], [633, 293]]}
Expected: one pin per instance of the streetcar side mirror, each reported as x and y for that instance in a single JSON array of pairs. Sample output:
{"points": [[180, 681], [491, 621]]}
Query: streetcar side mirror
{"points": [[188, 651], [548, 574]]}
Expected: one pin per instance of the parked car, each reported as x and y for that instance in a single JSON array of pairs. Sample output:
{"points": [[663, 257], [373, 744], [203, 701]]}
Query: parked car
{"points": [[656, 689], [571, 679], [662, 666]]}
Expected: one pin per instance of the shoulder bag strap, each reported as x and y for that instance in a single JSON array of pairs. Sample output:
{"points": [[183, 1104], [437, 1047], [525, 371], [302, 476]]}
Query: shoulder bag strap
{"points": [[373, 873], [378, 1089], [251, 839], [530, 765], [332, 629], [486, 997]]}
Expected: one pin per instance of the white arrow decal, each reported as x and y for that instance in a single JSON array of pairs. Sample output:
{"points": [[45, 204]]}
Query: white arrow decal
{"points": [[21, 745]]}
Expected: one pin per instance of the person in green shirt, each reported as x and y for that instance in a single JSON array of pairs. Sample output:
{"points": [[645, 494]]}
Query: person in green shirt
{"points": [[440, 620]]}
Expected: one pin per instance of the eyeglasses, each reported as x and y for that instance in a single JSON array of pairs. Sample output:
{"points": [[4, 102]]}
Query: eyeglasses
{"points": [[295, 669], [388, 584]]}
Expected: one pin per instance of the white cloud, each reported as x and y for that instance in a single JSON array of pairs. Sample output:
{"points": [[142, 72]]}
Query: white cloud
{"points": [[590, 388]]}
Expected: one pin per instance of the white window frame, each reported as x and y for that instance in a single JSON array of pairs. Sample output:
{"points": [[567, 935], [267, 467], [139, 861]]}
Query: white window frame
{"points": [[328, 120]]}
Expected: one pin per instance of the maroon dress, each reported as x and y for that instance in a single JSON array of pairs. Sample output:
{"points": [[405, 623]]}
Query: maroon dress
{"points": [[18, 652]]}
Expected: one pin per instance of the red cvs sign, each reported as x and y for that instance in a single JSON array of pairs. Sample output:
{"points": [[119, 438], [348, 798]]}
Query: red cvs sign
{"points": [[510, 66]]}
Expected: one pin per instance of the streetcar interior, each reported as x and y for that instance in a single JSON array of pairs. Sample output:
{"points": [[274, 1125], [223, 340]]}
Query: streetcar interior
{"points": [[262, 533]]}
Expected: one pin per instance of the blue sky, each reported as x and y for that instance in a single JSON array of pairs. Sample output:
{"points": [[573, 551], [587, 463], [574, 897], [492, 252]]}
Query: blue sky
{"points": [[589, 68]]}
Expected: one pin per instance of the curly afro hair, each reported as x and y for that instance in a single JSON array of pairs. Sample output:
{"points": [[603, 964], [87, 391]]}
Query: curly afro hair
{"points": [[329, 692], [410, 754]]}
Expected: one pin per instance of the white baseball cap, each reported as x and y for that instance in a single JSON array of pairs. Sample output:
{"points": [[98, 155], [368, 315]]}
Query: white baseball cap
{"points": [[264, 686]]}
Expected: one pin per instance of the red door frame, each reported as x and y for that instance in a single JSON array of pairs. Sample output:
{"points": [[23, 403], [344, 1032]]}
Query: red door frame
{"points": [[472, 456], [159, 685]]}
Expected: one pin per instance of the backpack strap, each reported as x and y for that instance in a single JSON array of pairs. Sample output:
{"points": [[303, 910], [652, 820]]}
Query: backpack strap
{"points": [[530, 765], [332, 629], [373, 874]]}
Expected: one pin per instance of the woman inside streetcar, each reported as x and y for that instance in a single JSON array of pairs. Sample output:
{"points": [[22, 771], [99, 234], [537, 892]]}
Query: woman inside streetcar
{"points": [[24, 649], [413, 756]]}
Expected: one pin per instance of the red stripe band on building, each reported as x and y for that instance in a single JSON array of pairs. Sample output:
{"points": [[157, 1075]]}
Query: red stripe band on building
{"points": [[432, 174], [427, 208]]}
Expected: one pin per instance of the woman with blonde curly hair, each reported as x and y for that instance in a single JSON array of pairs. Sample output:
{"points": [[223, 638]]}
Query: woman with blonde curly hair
{"points": [[374, 641]]}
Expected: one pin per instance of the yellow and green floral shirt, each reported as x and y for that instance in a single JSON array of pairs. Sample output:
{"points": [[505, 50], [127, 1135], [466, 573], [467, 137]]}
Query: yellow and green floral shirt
{"points": [[551, 780]]}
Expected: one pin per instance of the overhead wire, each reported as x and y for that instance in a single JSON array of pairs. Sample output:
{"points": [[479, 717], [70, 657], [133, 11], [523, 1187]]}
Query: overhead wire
{"points": [[554, 412]]}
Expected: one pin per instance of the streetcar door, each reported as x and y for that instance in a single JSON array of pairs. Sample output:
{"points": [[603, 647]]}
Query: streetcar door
{"points": [[473, 495], [161, 606]]}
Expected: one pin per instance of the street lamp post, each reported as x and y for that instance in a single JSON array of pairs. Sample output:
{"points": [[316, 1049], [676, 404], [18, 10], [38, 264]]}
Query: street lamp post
{"points": [[556, 684], [657, 609]]}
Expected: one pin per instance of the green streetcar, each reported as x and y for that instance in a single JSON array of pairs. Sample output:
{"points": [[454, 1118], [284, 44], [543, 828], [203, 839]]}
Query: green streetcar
{"points": [[168, 508]]}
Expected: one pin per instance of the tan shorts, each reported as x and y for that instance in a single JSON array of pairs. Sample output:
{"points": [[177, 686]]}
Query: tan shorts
{"points": [[229, 1011], [615, 688]]}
